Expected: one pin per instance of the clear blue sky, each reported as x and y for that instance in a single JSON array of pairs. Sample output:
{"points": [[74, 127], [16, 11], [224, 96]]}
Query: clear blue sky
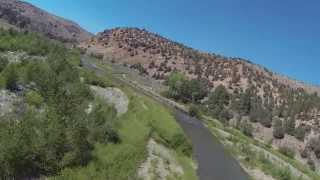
{"points": [[283, 35]]}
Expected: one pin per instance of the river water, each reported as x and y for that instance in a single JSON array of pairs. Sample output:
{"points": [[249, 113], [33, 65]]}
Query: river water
{"points": [[214, 163]]}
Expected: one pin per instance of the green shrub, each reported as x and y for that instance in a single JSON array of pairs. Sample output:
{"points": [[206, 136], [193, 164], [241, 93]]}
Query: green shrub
{"points": [[283, 174], [33, 98], [2, 82], [11, 77], [300, 133], [287, 151], [179, 142], [246, 128], [311, 164], [3, 63], [92, 79], [194, 111], [278, 130], [101, 121]]}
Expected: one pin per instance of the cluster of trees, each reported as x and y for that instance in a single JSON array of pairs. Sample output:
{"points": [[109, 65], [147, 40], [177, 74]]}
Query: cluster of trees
{"points": [[218, 103], [52, 130], [12, 40], [224, 105], [187, 91]]}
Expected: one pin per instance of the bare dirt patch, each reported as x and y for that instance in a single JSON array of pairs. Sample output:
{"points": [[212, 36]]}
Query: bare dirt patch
{"points": [[160, 164], [7, 101]]}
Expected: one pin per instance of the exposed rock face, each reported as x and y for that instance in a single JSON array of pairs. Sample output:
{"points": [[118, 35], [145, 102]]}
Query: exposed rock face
{"points": [[7, 101], [160, 164], [28, 17], [113, 96]]}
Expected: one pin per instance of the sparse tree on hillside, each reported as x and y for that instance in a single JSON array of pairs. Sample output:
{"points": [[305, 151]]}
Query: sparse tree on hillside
{"points": [[246, 128], [3, 63], [11, 76], [278, 130], [289, 126]]}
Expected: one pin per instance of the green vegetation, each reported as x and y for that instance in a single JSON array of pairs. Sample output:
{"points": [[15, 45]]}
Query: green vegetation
{"points": [[186, 90], [51, 131], [33, 98], [245, 127], [33, 44], [287, 152], [194, 111], [3, 63], [92, 79], [54, 134], [217, 104], [245, 107], [141, 122], [240, 147], [278, 130], [11, 77]]}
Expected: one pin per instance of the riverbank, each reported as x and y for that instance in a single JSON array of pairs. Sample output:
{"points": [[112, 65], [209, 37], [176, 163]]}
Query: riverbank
{"points": [[255, 155]]}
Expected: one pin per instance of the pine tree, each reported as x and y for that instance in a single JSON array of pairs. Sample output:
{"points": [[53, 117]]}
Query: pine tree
{"points": [[278, 131]]}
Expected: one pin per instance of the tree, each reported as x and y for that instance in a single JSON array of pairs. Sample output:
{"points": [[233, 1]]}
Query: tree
{"points": [[194, 111], [198, 89], [266, 118], [217, 102], [220, 97], [11, 76], [175, 82], [246, 128], [278, 130], [186, 90], [33, 98], [300, 132], [3, 63], [101, 124], [289, 126], [225, 115], [311, 164], [245, 102]]}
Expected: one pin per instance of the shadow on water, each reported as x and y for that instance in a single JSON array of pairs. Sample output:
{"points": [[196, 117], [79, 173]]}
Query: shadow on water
{"points": [[214, 163]]}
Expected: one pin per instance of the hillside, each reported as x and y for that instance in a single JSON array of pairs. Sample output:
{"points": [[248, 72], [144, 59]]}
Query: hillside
{"points": [[160, 56], [25, 16], [62, 121], [271, 102]]}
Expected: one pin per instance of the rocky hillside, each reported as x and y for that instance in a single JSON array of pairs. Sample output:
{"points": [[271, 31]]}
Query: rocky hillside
{"points": [[25, 16], [160, 56]]}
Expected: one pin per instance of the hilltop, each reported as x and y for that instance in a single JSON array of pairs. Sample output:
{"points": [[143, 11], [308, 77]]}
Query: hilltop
{"points": [[24, 16]]}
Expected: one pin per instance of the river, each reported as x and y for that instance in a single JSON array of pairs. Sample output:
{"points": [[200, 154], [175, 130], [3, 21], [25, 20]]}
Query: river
{"points": [[214, 163]]}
